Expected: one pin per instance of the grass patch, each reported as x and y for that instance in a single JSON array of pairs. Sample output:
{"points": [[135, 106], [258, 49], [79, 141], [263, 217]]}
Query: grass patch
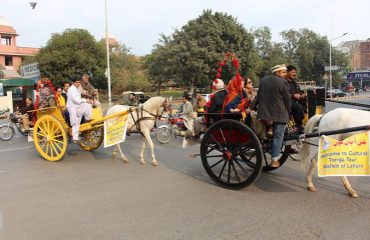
{"points": [[168, 93]]}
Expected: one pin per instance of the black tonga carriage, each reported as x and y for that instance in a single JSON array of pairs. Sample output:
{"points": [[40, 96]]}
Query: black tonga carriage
{"points": [[232, 154]]}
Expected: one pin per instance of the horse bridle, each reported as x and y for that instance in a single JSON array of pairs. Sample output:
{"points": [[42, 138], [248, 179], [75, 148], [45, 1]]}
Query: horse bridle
{"points": [[165, 105]]}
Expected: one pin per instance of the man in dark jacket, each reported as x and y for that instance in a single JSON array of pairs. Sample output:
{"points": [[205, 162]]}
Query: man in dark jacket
{"points": [[27, 117], [217, 99], [295, 93], [274, 106], [214, 106]]}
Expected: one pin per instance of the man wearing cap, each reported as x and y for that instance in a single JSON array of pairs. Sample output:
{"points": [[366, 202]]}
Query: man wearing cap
{"points": [[77, 108], [214, 105], [273, 101], [218, 96], [88, 91], [186, 110]]}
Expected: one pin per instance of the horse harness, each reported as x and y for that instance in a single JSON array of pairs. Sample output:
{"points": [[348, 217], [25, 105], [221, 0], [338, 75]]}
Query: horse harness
{"points": [[139, 114], [315, 130]]}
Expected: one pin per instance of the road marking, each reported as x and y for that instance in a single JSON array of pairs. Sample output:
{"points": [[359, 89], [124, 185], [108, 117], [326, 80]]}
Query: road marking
{"points": [[15, 149]]}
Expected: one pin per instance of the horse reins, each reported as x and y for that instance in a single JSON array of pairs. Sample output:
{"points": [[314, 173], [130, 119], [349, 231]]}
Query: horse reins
{"points": [[140, 117]]}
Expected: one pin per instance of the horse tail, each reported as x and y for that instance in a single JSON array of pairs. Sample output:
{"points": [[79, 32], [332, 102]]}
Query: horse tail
{"points": [[304, 152]]}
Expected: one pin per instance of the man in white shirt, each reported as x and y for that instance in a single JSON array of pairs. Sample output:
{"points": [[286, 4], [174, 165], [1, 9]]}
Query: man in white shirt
{"points": [[77, 108], [186, 111]]}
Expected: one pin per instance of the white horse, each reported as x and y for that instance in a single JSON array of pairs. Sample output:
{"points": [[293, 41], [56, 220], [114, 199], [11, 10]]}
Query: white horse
{"points": [[337, 119], [142, 119]]}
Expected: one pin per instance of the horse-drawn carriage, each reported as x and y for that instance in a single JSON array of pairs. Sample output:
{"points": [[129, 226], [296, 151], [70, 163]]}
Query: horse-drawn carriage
{"points": [[51, 130], [234, 155]]}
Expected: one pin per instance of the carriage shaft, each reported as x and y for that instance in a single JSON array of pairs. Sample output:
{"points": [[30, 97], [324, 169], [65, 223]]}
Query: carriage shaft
{"points": [[99, 122], [327, 133]]}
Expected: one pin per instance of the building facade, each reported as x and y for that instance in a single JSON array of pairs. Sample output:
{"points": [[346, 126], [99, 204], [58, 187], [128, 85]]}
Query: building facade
{"points": [[358, 52], [365, 55], [11, 55]]}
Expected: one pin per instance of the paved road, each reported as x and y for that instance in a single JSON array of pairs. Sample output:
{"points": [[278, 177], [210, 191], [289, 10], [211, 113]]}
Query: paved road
{"points": [[90, 196]]}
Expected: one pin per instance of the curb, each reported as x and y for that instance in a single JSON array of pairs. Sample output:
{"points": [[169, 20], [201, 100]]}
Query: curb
{"points": [[352, 97]]}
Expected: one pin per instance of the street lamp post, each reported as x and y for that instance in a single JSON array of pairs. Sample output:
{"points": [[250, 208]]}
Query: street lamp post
{"points": [[108, 62], [330, 76]]}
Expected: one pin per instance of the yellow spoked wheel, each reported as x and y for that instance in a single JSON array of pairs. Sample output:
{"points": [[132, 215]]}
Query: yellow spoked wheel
{"points": [[50, 138], [91, 140]]}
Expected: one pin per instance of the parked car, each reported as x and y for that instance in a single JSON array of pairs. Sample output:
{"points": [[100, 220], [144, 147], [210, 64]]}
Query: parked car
{"points": [[141, 97], [335, 93]]}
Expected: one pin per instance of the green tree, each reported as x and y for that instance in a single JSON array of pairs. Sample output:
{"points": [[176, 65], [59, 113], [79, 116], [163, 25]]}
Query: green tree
{"points": [[270, 53], [73, 52], [161, 63], [28, 60], [127, 71], [195, 50], [310, 53]]}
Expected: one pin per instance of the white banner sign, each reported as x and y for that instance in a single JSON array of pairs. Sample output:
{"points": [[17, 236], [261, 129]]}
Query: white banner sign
{"points": [[115, 130], [30, 71]]}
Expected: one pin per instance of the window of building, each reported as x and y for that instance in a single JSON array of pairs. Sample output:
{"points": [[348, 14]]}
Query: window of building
{"points": [[8, 61], [6, 40]]}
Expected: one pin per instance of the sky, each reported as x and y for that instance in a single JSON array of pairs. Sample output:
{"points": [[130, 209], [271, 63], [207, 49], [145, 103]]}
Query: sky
{"points": [[138, 24]]}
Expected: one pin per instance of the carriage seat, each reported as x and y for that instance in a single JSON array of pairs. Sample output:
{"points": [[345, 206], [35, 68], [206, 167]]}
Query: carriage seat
{"points": [[96, 113]]}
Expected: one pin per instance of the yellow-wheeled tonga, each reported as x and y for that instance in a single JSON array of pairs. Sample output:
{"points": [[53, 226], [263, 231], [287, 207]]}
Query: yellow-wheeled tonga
{"points": [[51, 131]]}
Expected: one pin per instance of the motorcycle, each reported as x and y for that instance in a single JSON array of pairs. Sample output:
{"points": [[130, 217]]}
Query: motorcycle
{"points": [[4, 113], [7, 130], [175, 127]]}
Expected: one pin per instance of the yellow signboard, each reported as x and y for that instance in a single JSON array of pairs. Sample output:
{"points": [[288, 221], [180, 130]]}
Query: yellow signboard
{"points": [[115, 130], [349, 157]]}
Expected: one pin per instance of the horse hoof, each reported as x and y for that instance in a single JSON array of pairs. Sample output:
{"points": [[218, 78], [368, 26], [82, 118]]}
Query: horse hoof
{"points": [[353, 195], [311, 189], [125, 160], [155, 163], [142, 162], [114, 156]]}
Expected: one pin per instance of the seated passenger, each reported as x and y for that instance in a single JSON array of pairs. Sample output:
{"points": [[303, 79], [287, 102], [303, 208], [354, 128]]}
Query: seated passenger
{"points": [[88, 91], [213, 107], [27, 117], [235, 100], [61, 99], [217, 98], [200, 105], [46, 97], [297, 110], [251, 94], [77, 108]]}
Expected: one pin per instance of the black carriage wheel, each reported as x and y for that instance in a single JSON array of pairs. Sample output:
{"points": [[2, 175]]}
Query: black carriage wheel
{"points": [[231, 154], [282, 160]]}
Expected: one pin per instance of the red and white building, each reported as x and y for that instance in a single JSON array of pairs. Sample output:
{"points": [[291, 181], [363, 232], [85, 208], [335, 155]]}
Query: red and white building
{"points": [[11, 55]]}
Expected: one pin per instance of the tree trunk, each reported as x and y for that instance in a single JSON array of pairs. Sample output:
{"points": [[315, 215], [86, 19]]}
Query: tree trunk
{"points": [[192, 86], [159, 89]]}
